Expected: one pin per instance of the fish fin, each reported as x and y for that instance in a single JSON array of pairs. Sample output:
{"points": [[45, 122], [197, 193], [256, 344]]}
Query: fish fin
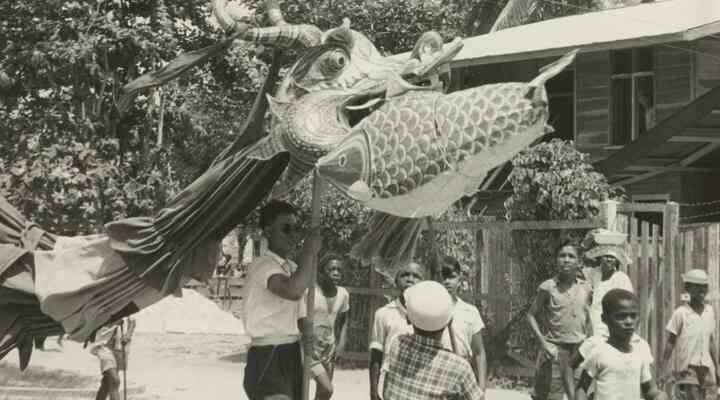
{"points": [[360, 191], [391, 241], [398, 86], [277, 108], [294, 173], [553, 68], [266, 148], [549, 129]]}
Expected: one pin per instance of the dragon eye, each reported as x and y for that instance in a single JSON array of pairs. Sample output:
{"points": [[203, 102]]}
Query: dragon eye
{"points": [[333, 62], [342, 161]]}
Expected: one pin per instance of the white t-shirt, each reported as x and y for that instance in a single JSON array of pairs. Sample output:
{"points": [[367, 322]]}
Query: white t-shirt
{"points": [[327, 309], [618, 280], [466, 323], [390, 320], [693, 332], [270, 319], [618, 375]]}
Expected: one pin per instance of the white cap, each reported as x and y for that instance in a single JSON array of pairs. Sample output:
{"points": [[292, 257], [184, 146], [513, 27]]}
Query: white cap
{"points": [[696, 276], [609, 250], [429, 305]]}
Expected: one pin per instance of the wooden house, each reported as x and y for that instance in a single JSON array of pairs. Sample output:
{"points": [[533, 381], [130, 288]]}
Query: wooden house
{"points": [[643, 97]]}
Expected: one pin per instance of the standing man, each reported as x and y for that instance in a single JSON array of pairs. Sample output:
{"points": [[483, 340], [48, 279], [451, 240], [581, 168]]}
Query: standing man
{"points": [[274, 305], [110, 346], [391, 320], [562, 305], [690, 331], [467, 324], [417, 365]]}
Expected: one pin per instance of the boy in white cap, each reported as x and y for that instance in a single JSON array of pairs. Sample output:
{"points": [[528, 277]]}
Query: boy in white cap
{"points": [[417, 366], [690, 330], [391, 320]]}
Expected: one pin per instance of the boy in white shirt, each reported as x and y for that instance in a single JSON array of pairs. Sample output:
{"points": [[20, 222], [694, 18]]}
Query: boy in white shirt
{"points": [[690, 331], [622, 365]]}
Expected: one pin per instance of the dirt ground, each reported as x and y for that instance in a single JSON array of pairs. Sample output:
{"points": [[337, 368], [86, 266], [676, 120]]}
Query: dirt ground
{"points": [[191, 366]]}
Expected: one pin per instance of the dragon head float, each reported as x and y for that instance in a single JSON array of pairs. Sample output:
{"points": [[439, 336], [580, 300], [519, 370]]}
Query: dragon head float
{"points": [[337, 82]]}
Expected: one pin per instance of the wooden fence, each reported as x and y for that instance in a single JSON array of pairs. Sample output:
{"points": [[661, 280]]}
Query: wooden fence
{"points": [[660, 253]]}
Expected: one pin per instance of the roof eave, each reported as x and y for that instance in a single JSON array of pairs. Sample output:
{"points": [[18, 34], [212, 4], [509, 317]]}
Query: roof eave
{"points": [[586, 48]]}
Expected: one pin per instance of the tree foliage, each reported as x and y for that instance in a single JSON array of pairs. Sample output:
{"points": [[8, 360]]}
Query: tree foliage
{"points": [[69, 160]]}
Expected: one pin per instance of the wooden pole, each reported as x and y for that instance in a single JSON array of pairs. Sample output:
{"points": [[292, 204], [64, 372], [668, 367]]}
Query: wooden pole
{"points": [[310, 301]]}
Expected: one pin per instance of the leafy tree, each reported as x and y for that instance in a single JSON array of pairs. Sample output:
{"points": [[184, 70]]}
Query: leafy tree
{"points": [[69, 160]]}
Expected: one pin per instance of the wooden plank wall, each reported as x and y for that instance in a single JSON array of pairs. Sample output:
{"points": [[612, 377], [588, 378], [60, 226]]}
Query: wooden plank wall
{"points": [[496, 246], [645, 248], [673, 78], [592, 83], [696, 246]]}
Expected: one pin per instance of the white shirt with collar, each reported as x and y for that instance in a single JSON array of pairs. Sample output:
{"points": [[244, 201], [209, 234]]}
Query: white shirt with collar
{"points": [[466, 323], [270, 319], [390, 320]]}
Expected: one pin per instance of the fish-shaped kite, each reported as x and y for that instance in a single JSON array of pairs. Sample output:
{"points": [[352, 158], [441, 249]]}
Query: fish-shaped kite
{"points": [[419, 153]]}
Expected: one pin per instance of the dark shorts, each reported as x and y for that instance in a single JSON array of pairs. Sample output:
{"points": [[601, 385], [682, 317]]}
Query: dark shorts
{"points": [[548, 381], [274, 370]]}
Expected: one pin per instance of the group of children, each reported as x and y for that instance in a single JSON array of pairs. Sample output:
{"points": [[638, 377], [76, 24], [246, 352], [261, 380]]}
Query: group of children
{"points": [[586, 321]]}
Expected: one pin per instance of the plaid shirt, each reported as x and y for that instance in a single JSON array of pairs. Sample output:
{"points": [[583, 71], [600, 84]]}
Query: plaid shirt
{"points": [[417, 368]]}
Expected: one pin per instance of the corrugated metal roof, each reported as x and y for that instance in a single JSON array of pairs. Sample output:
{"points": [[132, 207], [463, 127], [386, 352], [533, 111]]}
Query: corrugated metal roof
{"points": [[639, 25]]}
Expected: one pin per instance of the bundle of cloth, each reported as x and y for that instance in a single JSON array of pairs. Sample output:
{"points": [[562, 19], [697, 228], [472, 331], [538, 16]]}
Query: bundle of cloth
{"points": [[51, 284]]}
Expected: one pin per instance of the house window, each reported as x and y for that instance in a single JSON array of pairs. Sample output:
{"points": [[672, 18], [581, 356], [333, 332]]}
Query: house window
{"points": [[633, 94], [561, 96]]}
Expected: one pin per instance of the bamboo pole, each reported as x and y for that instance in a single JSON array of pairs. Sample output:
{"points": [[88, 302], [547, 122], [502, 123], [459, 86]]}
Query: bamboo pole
{"points": [[310, 301]]}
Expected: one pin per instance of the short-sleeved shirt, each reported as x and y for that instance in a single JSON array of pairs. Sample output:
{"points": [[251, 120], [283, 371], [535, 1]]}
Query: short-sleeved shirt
{"points": [[390, 320], [269, 318], [618, 280], [566, 311], [419, 368], [618, 375], [326, 311], [693, 331], [466, 323]]}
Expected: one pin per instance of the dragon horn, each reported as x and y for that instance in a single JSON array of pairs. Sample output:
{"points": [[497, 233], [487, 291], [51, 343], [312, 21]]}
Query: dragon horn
{"points": [[281, 35]]}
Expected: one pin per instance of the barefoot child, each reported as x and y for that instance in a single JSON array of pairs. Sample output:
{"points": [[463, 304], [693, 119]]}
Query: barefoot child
{"points": [[690, 331], [622, 365]]}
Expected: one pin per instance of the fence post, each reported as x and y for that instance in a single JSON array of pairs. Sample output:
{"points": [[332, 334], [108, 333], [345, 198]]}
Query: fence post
{"points": [[671, 220], [608, 214]]}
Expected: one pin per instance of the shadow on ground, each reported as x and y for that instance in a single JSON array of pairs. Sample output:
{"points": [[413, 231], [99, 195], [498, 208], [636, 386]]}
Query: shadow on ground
{"points": [[235, 358]]}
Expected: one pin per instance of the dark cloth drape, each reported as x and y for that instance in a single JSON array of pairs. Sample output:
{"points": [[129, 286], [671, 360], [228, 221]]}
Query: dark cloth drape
{"points": [[20, 315], [157, 249]]}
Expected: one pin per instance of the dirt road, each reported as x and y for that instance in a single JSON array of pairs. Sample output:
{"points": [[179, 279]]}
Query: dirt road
{"points": [[191, 367]]}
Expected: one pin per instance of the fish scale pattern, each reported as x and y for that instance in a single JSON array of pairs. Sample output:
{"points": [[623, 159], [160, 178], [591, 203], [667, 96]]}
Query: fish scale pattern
{"points": [[473, 120], [404, 147], [415, 137]]}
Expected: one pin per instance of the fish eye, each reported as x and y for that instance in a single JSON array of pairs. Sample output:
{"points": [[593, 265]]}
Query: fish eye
{"points": [[342, 160], [333, 62]]}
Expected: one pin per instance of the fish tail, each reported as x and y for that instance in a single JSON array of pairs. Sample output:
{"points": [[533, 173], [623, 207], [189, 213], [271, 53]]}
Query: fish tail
{"points": [[553, 69], [390, 242]]}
